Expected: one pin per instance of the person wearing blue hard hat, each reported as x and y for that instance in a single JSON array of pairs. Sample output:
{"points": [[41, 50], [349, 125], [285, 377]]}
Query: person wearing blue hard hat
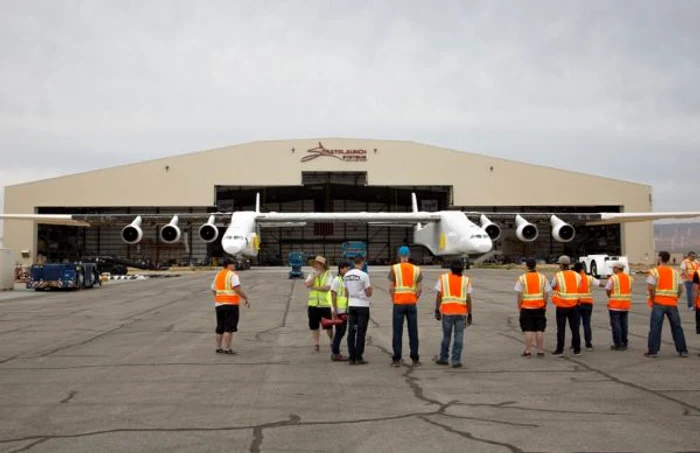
{"points": [[405, 288]]}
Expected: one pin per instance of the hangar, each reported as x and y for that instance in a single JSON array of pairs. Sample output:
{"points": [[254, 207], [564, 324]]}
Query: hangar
{"points": [[323, 175]]}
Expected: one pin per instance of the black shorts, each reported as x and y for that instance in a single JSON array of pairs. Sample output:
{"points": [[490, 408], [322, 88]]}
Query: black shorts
{"points": [[315, 315], [533, 320], [227, 318]]}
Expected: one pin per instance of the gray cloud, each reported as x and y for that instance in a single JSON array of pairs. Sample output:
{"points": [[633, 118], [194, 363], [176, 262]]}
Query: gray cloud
{"points": [[608, 88]]}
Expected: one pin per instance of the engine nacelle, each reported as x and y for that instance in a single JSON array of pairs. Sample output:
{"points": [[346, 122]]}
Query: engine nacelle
{"points": [[562, 231], [525, 231], [132, 233], [171, 233], [209, 232], [493, 230]]}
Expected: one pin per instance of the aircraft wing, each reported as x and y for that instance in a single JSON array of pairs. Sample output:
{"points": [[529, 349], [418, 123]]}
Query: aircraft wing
{"points": [[598, 218], [404, 218], [87, 220]]}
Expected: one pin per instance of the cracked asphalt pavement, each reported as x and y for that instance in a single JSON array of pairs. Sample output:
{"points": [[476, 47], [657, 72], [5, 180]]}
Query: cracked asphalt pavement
{"points": [[131, 367]]}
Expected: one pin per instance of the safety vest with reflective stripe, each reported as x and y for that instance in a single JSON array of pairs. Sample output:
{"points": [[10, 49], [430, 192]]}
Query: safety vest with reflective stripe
{"points": [[341, 298], [667, 281], [691, 266], [225, 294], [586, 289], [621, 294], [697, 300], [566, 294], [405, 283], [533, 284], [320, 298], [454, 294]]}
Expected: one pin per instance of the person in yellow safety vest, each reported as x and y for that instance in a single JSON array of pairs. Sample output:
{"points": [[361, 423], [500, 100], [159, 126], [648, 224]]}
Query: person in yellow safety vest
{"points": [[339, 298], [228, 293], [405, 288], [565, 296], [696, 297], [688, 267], [453, 305], [619, 291], [319, 282], [588, 282], [664, 288], [533, 292]]}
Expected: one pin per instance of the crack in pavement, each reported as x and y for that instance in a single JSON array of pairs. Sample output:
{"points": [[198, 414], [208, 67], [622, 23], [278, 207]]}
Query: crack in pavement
{"points": [[31, 445], [258, 435], [510, 405], [284, 316], [688, 407], [470, 436], [70, 396]]}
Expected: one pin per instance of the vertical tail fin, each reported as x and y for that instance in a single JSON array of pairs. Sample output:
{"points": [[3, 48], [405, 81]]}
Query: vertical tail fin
{"points": [[257, 202], [414, 208]]}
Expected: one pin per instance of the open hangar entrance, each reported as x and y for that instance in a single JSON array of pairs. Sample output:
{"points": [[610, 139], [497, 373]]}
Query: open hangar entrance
{"points": [[333, 192]]}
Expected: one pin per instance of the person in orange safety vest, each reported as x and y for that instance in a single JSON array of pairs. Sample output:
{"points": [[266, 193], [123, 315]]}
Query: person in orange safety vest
{"points": [[228, 293], [405, 287], [619, 291]]}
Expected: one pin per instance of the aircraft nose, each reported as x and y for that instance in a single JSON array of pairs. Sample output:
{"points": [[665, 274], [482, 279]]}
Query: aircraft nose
{"points": [[484, 246], [233, 246]]}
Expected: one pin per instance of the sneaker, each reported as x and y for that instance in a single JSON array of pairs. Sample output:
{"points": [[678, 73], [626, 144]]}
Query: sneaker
{"points": [[615, 348], [684, 354], [577, 352], [416, 363], [623, 347], [396, 363], [442, 362], [219, 351], [650, 355], [540, 354], [361, 362], [589, 347], [352, 362], [230, 352], [338, 358], [558, 353], [456, 365]]}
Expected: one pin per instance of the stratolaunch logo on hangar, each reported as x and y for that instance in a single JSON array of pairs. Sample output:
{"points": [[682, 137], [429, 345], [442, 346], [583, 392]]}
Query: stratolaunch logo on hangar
{"points": [[348, 155]]}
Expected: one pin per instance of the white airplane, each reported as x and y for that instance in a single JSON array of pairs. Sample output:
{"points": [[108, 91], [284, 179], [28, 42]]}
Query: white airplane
{"points": [[444, 233]]}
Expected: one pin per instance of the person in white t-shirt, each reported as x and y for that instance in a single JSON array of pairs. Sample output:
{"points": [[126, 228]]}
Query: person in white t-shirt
{"points": [[359, 291]]}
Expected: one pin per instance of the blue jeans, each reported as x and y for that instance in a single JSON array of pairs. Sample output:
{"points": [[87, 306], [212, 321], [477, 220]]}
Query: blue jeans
{"points": [[452, 323], [411, 314], [340, 330], [358, 320], [618, 324], [689, 293], [656, 325]]}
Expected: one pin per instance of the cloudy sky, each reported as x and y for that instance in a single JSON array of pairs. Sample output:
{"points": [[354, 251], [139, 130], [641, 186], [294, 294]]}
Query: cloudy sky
{"points": [[609, 88]]}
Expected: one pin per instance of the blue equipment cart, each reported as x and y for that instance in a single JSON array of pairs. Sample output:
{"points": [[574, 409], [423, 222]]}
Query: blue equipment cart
{"points": [[350, 250], [296, 261], [64, 276]]}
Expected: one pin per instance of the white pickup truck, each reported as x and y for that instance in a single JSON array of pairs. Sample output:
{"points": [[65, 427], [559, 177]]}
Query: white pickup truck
{"points": [[601, 266]]}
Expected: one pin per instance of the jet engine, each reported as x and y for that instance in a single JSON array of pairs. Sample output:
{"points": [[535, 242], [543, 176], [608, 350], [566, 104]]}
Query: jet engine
{"points": [[170, 233], [209, 232], [525, 231], [493, 230], [562, 231], [132, 233]]}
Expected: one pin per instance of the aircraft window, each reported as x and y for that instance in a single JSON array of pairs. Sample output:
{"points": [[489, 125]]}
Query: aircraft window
{"points": [[238, 237], [228, 237]]}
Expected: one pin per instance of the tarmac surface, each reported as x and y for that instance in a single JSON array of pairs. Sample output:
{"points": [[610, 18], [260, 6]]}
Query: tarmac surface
{"points": [[131, 367]]}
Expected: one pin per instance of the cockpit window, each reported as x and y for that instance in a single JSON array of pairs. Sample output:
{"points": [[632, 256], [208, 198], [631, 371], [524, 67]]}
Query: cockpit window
{"points": [[238, 237]]}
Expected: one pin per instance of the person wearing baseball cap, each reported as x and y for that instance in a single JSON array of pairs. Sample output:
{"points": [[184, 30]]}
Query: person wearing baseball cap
{"points": [[565, 296], [619, 291], [405, 288], [319, 282], [533, 292]]}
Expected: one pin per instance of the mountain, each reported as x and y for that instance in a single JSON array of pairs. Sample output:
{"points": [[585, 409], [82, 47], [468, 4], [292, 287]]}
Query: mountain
{"points": [[677, 237]]}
